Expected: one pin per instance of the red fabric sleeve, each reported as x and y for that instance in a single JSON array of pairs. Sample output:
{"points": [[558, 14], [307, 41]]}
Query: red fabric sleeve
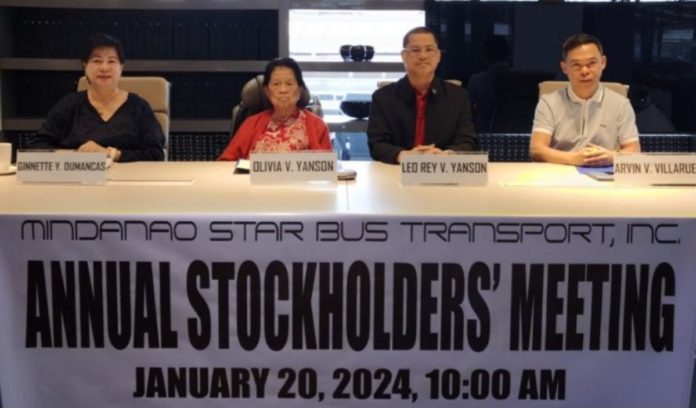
{"points": [[241, 142], [318, 132], [240, 145]]}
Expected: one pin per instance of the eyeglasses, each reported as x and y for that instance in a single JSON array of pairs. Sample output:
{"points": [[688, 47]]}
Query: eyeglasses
{"points": [[427, 51], [590, 65]]}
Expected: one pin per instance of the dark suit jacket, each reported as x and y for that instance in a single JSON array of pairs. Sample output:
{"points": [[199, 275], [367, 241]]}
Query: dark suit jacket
{"points": [[392, 122]]}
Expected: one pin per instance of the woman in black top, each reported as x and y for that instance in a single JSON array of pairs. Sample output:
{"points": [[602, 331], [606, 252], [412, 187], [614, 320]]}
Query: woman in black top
{"points": [[103, 118]]}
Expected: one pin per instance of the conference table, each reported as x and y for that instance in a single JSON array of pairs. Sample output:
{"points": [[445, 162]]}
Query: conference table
{"points": [[514, 189], [182, 284]]}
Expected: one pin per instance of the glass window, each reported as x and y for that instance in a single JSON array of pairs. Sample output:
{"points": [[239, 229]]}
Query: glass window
{"points": [[334, 87], [317, 35]]}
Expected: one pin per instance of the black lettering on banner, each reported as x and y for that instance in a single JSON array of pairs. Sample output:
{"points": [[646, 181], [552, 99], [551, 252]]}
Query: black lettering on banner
{"points": [[91, 304], [307, 384], [526, 307], [199, 329], [118, 287], [276, 280], [331, 306], [554, 306], [64, 304], [369, 231], [635, 307], [85, 230], [479, 384], [542, 385], [73, 302], [512, 232], [144, 313], [452, 323], [220, 231], [89, 230], [598, 275], [358, 306], [364, 384], [303, 334], [652, 234], [637, 317], [255, 231], [382, 337], [118, 283], [662, 315], [38, 324], [478, 334], [615, 306], [576, 304], [249, 305], [223, 273], [428, 305], [200, 382], [404, 310]]}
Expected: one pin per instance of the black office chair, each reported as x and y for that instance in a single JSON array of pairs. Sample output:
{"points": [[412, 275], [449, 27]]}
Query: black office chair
{"points": [[254, 100]]}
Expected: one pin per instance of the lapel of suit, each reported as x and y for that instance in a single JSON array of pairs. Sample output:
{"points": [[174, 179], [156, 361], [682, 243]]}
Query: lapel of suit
{"points": [[408, 98], [432, 115]]}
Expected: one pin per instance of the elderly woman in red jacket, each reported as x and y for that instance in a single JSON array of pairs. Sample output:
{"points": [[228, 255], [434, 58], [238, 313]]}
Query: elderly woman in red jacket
{"points": [[284, 127]]}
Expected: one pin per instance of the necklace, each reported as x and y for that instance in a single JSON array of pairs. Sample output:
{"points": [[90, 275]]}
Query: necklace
{"points": [[100, 106]]}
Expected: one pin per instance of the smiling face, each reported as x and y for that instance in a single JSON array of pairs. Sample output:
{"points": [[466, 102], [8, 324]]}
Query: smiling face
{"points": [[421, 55], [103, 68], [583, 66], [283, 90]]}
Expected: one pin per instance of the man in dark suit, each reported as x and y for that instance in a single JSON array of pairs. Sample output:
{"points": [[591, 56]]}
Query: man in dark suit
{"points": [[420, 112]]}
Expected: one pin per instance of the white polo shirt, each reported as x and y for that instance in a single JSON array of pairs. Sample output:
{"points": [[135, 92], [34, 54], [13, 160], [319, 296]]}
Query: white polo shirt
{"points": [[607, 119]]}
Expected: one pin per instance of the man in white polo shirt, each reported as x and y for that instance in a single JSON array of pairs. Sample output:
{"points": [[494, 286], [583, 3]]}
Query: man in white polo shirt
{"points": [[585, 123]]}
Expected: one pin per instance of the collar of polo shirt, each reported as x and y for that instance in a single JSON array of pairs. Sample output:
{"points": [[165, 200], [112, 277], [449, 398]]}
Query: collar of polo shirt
{"points": [[597, 97]]}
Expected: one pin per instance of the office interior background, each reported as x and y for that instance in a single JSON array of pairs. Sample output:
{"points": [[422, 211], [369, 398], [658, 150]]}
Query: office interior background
{"points": [[208, 49]]}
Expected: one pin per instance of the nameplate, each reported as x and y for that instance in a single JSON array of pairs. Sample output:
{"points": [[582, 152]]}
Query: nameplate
{"points": [[655, 168], [292, 167], [465, 168], [61, 167]]}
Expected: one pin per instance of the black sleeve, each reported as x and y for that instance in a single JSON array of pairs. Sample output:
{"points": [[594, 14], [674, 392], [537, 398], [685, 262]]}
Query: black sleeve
{"points": [[464, 133], [380, 138], [57, 124], [150, 137]]}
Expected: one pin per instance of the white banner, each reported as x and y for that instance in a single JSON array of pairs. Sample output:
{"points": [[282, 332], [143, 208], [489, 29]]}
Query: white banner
{"points": [[340, 311]]}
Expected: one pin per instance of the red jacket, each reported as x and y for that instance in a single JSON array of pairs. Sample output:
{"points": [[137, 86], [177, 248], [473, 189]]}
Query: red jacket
{"points": [[253, 126]]}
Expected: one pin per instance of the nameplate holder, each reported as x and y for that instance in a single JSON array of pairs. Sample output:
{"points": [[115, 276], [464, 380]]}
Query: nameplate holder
{"points": [[655, 169], [293, 168], [461, 168], [61, 167]]}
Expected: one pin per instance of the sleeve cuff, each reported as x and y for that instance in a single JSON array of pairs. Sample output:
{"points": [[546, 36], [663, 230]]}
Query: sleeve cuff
{"points": [[542, 130]]}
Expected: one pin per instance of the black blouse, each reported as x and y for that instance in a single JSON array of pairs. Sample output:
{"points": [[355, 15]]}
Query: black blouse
{"points": [[133, 128]]}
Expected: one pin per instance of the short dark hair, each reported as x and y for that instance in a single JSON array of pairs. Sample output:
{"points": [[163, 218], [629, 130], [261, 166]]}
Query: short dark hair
{"points": [[286, 63], [419, 30], [104, 40], [576, 40]]}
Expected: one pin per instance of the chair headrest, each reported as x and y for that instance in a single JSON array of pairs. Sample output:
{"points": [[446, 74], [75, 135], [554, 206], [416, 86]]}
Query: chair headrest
{"points": [[255, 98], [155, 90]]}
